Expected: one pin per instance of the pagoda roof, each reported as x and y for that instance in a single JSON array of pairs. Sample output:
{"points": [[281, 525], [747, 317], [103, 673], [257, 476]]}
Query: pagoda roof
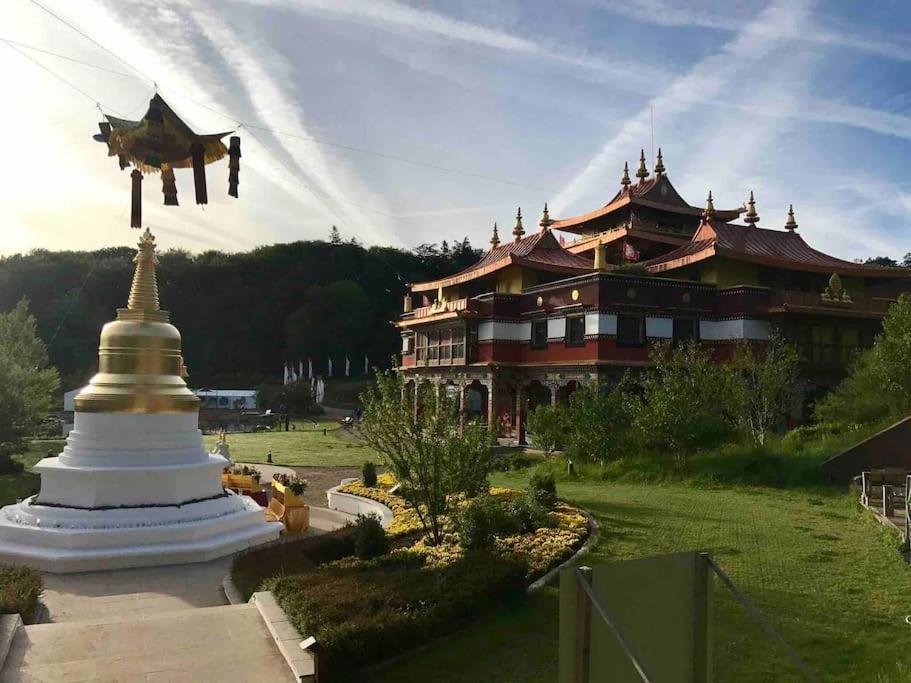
{"points": [[762, 246], [538, 251], [656, 192]]}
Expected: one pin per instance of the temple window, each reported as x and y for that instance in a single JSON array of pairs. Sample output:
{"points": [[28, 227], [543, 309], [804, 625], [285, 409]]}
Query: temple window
{"points": [[630, 330], [685, 329], [421, 347], [539, 334], [575, 330]]}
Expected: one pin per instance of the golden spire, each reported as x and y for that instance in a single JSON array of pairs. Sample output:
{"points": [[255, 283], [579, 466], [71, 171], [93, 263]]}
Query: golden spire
{"points": [[546, 221], [625, 181], [709, 207], [642, 171], [659, 164], [144, 290], [140, 366], [752, 218], [518, 230], [791, 224], [494, 238]]}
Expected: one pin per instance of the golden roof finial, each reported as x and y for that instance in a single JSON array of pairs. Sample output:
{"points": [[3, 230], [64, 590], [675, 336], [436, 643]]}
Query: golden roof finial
{"points": [[625, 181], [642, 171], [494, 238], [144, 290], [709, 207], [546, 221], [518, 230], [659, 164], [791, 224], [752, 218]]}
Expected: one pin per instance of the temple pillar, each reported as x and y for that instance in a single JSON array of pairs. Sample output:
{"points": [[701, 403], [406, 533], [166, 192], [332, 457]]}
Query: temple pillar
{"points": [[492, 406], [462, 389], [553, 393], [520, 415]]}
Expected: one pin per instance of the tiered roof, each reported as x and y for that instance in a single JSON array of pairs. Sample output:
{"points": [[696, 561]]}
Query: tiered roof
{"points": [[766, 247], [538, 251]]}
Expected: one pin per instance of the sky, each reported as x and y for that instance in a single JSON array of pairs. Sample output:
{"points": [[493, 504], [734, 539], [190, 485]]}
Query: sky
{"points": [[405, 123]]}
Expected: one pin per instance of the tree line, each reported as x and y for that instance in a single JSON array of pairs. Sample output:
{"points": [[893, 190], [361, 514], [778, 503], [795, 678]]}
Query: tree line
{"points": [[241, 314]]}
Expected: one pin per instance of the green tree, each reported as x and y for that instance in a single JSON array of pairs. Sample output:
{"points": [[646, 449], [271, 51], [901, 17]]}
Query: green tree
{"points": [[597, 422], [762, 385], [547, 427], [27, 383], [425, 453], [879, 383], [681, 402]]}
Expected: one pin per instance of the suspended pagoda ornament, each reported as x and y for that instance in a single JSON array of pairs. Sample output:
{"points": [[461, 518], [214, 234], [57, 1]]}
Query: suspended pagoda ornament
{"points": [[752, 218], [160, 142], [791, 224]]}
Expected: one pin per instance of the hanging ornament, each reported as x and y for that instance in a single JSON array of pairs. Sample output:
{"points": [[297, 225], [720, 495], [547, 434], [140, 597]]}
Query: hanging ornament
{"points": [[233, 166]]}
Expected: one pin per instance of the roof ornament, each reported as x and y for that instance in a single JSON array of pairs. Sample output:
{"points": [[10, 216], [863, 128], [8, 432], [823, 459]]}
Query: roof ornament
{"points": [[546, 221], [625, 182], [835, 293], [494, 238], [659, 165], [791, 224], [642, 171], [518, 231], [752, 218], [709, 210]]}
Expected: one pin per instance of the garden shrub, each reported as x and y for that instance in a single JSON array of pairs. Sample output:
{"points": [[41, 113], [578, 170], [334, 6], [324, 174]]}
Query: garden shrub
{"points": [[526, 514], [542, 487], [481, 520], [250, 569], [20, 591], [370, 538], [547, 426], [515, 461], [368, 474], [362, 612]]}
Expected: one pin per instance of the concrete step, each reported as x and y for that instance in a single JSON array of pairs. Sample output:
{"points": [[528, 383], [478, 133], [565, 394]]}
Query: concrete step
{"points": [[230, 642]]}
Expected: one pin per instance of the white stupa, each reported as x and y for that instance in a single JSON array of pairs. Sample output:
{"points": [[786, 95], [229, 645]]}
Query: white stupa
{"points": [[134, 485]]}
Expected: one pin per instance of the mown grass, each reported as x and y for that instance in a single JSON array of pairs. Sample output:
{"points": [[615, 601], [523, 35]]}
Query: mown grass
{"points": [[18, 485], [823, 571], [306, 445]]}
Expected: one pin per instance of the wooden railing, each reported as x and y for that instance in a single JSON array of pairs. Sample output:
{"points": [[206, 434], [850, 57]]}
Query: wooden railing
{"points": [[859, 303], [441, 307]]}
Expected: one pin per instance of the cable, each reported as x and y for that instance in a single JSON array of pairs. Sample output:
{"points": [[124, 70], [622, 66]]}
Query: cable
{"points": [[92, 40], [69, 59]]}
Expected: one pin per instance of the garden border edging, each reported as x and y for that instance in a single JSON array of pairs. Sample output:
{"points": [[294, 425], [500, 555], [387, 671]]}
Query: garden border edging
{"points": [[594, 531], [286, 637]]}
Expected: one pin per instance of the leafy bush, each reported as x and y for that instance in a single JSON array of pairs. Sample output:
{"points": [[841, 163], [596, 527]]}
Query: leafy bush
{"points": [[471, 461], [526, 514], [547, 427], [368, 474], [370, 538], [481, 520], [515, 461], [542, 488], [362, 612], [250, 569], [597, 422], [20, 591]]}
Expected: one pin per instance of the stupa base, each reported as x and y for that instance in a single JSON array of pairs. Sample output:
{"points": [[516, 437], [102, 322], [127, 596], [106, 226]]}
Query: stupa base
{"points": [[65, 540]]}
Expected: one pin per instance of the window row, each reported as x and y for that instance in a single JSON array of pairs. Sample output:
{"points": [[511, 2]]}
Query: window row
{"points": [[630, 331], [440, 345]]}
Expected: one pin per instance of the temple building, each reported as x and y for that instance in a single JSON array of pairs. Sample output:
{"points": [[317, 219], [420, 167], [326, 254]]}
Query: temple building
{"points": [[536, 316]]}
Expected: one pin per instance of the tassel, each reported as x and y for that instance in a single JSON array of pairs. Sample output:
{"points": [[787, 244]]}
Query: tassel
{"points": [[199, 172], [233, 165], [122, 160], [136, 212], [168, 185]]}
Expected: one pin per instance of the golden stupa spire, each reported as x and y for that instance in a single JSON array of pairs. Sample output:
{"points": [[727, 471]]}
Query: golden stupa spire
{"points": [[518, 230], [709, 207], [494, 238], [144, 290], [752, 218], [791, 224], [642, 171], [659, 164], [625, 181], [546, 221]]}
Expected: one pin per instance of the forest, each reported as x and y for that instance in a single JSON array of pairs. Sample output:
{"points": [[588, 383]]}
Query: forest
{"points": [[241, 315]]}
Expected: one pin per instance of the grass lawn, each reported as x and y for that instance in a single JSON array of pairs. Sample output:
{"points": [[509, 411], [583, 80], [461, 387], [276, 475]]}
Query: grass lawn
{"points": [[25, 483], [304, 446], [824, 572]]}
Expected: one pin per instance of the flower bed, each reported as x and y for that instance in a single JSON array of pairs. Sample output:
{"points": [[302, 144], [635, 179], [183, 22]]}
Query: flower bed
{"points": [[20, 591]]}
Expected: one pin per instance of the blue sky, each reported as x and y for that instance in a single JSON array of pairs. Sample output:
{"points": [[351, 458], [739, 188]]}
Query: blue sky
{"points": [[802, 102]]}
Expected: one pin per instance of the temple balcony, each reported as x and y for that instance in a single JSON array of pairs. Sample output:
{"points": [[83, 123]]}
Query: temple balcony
{"points": [[844, 304]]}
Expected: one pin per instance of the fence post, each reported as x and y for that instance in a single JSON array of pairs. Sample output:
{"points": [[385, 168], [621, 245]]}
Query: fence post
{"points": [[583, 627], [888, 503]]}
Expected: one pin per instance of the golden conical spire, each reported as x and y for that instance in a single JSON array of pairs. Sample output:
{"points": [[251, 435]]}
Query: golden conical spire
{"points": [[625, 181], [144, 290], [494, 238], [659, 164], [546, 221], [518, 230], [709, 207], [752, 218], [791, 224], [642, 171]]}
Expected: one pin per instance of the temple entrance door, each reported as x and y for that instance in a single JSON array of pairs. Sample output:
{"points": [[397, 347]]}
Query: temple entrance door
{"points": [[476, 401], [564, 392], [536, 394]]}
